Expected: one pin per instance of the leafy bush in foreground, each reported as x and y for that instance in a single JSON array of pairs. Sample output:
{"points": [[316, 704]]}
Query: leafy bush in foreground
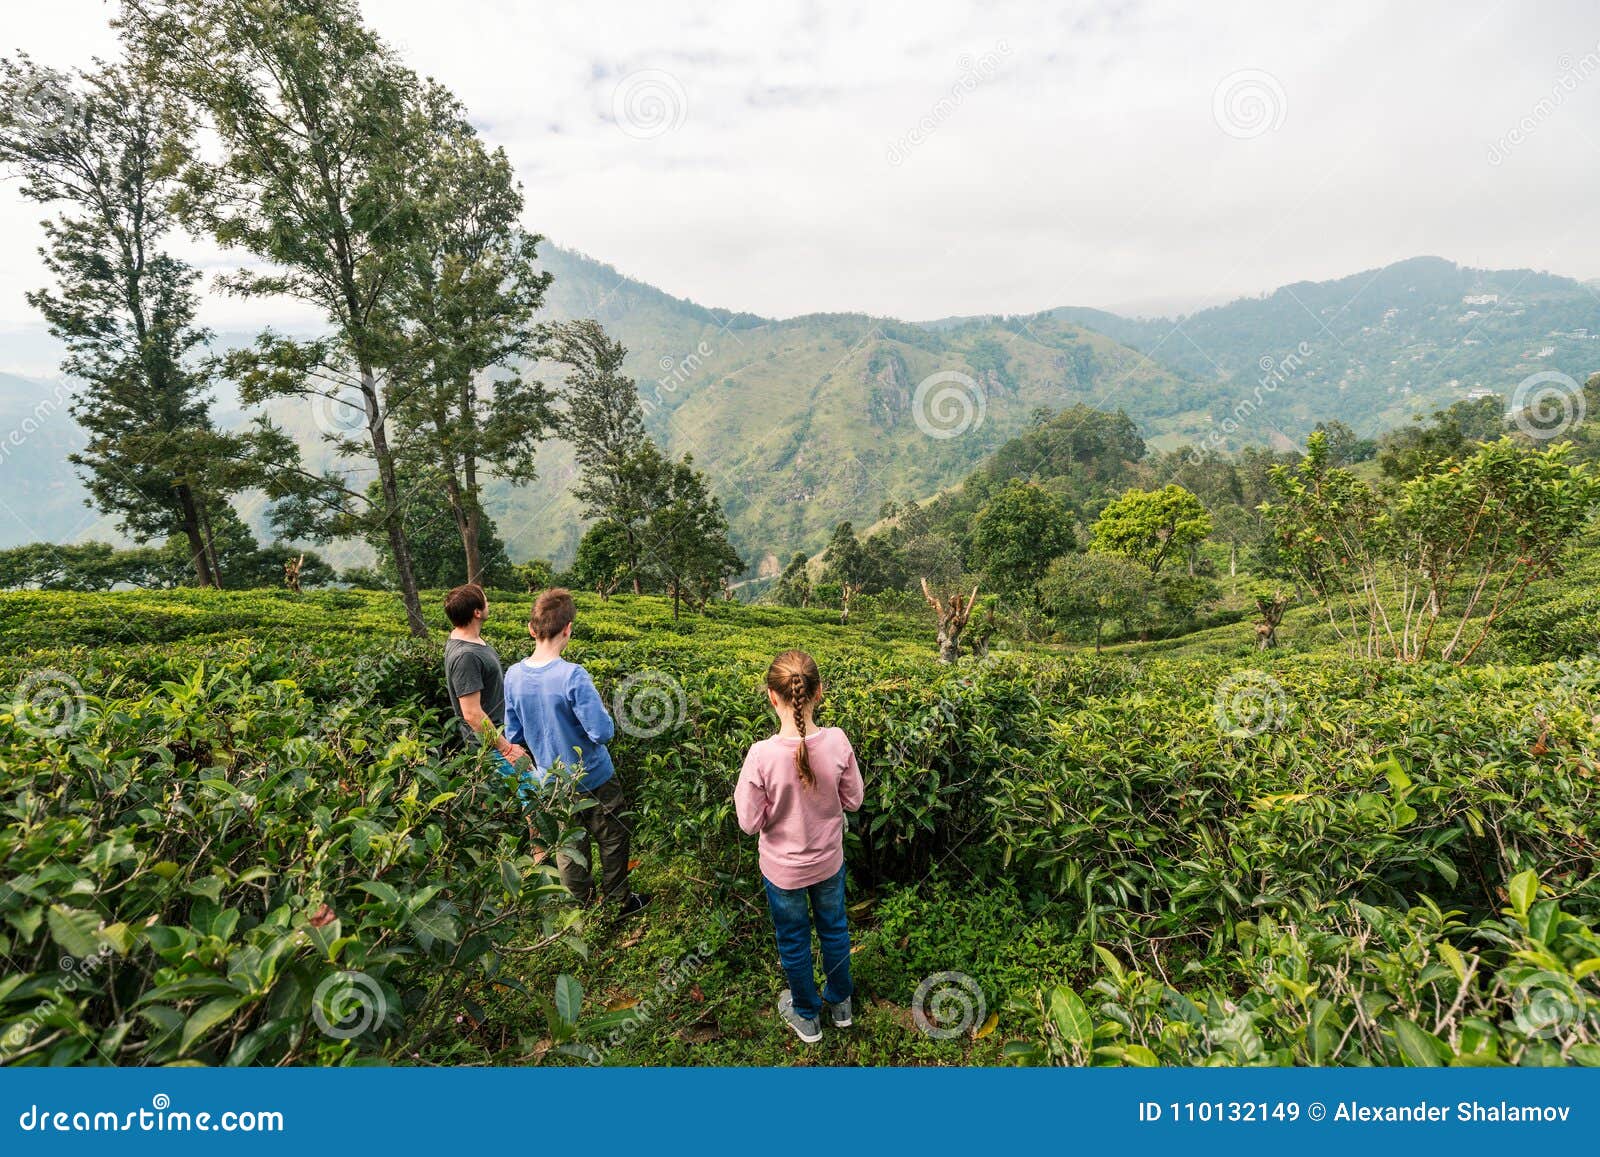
{"points": [[259, 826], [1359, 986], [215, 871]]}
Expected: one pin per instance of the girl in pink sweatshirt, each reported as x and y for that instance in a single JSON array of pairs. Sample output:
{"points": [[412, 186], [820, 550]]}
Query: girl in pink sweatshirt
{"points": [[794, 790]]}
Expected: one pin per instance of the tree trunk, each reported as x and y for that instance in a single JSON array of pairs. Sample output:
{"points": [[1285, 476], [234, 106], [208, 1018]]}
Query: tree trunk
{"points": [[470, 541], [1099, 626], [191, 532], [467, 525], [469, 476], [391, 502], [211, 546]]}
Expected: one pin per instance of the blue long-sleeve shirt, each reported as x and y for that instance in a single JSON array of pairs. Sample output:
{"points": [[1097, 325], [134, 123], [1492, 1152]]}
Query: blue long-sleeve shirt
{"points": [[554, 711]]}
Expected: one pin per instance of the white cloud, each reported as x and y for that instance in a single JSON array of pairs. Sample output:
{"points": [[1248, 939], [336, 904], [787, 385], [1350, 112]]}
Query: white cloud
{"points": [[1087, 169]]}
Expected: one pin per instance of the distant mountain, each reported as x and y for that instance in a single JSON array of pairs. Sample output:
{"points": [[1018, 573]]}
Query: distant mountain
{"points": [[1384, 344], [804, 422], [40, 496]]}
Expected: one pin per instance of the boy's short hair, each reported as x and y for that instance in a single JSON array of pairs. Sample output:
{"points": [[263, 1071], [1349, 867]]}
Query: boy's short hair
{"points": [[464, 602], [552, 612]]}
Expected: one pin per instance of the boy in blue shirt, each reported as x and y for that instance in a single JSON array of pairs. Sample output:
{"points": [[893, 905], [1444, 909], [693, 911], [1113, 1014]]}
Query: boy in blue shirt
{"points": [[553, 710]]}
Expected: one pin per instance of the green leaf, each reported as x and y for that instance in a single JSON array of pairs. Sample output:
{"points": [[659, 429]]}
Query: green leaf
{"points": [[1140, 1057], [384, 892], [569, 998], [1585, 1055], [206, 1018], [437, 925], [1418, 1047], [1543, 920], [1071, 1018], [74, 930], [1113, 965], [1523, 888]]}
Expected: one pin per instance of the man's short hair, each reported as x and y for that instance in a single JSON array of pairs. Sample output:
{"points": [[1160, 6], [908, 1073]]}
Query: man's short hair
{"points": [[552, 612], [464, 602]]}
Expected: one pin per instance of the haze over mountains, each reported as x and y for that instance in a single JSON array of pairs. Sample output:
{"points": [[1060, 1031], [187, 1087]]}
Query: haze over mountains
{"points": [[803, 422]]}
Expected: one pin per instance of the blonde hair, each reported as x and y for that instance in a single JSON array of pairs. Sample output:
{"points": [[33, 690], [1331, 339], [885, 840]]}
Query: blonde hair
{"points": [[794, 678]]}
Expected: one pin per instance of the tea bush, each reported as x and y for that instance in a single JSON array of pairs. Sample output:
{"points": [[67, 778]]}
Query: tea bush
{"points": [[256, 827], [1360, 986], [216, 870]]}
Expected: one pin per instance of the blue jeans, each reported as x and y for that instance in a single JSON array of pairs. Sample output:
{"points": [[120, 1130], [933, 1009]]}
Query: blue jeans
{"points": [[792, 923]]}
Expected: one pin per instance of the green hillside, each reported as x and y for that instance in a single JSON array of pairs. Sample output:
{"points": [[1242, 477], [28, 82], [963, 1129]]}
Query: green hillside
{"points": [[1384, 344], [806, 422]]}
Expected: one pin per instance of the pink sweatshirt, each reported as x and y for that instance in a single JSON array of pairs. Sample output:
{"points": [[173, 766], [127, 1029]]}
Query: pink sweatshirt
{"points": [[802, 829]]}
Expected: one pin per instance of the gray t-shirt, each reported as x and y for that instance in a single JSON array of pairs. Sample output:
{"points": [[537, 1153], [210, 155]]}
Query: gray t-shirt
{"points": [[470, 667]]}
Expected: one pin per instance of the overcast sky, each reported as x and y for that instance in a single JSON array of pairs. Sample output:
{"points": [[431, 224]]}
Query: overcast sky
{"points": [[946, 158]]}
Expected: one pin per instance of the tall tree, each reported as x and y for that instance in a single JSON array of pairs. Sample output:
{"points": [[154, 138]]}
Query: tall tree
{"points": [[685, 538], [469, 310], [603, 559], [123, 306], [1430, 569], [845, 561], [1017, 533], [793, 588], [605, 425], [324, 147], [1152, 526], [1089, 590], [436, 548]]}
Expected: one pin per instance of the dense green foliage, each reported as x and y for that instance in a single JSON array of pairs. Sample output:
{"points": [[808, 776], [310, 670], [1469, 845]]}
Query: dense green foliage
{"points": [[231, 762]]}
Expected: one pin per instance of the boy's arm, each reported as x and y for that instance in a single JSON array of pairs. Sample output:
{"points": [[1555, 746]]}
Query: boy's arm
{"points": [[852, 790], [750, 803], [590, 709]]}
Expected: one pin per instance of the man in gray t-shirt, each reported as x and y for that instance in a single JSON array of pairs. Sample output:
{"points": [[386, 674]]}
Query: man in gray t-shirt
{"points": [[470, 667], [472, 673]]}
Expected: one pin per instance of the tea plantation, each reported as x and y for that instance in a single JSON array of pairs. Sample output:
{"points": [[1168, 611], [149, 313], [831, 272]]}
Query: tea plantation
{"points": [[236, 831]]}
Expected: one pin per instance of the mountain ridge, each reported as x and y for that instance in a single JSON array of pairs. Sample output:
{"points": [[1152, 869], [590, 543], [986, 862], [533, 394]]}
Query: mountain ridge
{"points": [[806, 421]]}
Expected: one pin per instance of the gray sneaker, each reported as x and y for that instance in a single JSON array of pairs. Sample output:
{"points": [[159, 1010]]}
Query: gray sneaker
{"points": [[808, 1029], [839, 1014]]}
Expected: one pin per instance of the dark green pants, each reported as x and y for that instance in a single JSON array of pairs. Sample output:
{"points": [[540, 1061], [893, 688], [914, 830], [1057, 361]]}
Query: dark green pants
{"points": [[603, 825]]}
